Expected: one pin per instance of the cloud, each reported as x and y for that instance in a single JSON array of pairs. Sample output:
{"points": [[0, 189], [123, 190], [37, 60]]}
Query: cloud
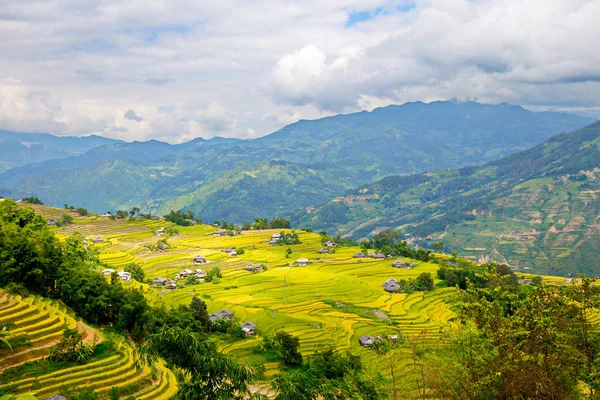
{"points": [[246, 68], [132, 116]]}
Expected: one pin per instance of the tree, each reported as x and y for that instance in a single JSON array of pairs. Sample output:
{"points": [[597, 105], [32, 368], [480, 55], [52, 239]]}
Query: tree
{"points": [[536, 281], [199, 311], [330, 375], [71, 348], [64, 220], [32, 200], [209, 374], [288, 348], [5, 334], [279, 223], [246, 226], [509, 345], [82, 211], [438, 247], [137, 273], [424, 282]]}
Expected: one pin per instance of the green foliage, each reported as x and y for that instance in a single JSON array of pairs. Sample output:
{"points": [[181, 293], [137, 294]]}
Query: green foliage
{"points": [[64, 220], [472, 210], [199, 312], [288, 239], [5, 335], [82, 211], [79, 393], [137, 272], [546, 332], [71, 348], [330, 375], [275, 223], [182, 218], [424, 282], [170, 231], [210, 375], [288, 346], [32, 200]]}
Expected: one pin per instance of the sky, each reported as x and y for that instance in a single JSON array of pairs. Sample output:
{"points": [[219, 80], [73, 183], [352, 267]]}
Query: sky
{"points": [[176, 70]]}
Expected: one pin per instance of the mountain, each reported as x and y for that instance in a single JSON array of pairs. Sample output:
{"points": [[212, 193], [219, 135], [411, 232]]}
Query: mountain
{"points": [[254, 189], [150, 151], [17, 149], [537, 209], [336, 153]]}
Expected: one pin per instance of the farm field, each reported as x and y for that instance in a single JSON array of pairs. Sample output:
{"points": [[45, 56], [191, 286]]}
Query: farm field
{"points": [[37, 325], [331, 302]]}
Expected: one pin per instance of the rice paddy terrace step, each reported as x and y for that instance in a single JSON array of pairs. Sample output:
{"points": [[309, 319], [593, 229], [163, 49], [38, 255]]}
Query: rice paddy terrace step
{"points": [[42, 321]]}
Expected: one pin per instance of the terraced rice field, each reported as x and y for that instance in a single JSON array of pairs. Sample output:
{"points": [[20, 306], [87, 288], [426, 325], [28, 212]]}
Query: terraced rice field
{"points": [[38, 324], [330, 303]]}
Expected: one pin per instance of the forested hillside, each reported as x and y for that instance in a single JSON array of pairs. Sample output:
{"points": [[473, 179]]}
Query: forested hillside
{"points": [[537, 209], [323, 158]]}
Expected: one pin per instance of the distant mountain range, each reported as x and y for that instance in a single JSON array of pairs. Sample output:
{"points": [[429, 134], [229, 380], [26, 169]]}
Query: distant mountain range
{"points": [[538, 209], [300, 166], [17, 149]]}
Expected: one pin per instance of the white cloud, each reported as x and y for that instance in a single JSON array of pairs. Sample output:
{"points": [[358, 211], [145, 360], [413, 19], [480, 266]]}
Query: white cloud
{"points": [[245, 68]]}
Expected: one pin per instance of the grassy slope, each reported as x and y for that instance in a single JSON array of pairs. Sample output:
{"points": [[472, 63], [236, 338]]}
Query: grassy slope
{"points": [[537, 209], [329, 303]]}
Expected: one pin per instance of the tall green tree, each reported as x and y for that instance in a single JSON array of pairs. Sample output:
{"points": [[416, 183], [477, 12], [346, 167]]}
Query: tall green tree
{"points": [[208, 374], [288, 346], [199, 311]]}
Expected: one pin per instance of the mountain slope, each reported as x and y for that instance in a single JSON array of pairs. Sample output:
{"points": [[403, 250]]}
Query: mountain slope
{"points": [[254, 189], [150, 151], [107, 185], [360, 148], [537, 209], [18, 149]]}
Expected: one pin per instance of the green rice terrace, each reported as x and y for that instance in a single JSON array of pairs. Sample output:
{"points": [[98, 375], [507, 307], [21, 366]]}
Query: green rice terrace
{"points": [[329, 303], [37, 325]]}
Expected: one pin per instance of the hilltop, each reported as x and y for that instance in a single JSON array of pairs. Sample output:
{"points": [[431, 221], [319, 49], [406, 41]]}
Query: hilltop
{"points": [[341, 152], [537, 209]]}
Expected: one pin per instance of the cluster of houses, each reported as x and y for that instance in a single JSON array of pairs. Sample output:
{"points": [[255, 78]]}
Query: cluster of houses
{"points": [[169, 284], [124, 276], [377, 256], [220, 232], [188, 272], [230, 251], [248, 327], [403, 264], [367, 341], [253, 268], [160, 232], [328, 246]]}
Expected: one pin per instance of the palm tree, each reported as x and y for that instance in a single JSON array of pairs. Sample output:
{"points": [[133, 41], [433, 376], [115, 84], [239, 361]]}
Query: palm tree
{"points": [[4, 335]]}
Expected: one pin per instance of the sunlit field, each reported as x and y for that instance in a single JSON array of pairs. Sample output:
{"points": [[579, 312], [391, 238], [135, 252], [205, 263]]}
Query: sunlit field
{"points": [[329, 303]]}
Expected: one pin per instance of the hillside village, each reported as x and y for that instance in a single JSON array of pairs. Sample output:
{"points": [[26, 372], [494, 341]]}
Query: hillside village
{"points": [[254, 286]]}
